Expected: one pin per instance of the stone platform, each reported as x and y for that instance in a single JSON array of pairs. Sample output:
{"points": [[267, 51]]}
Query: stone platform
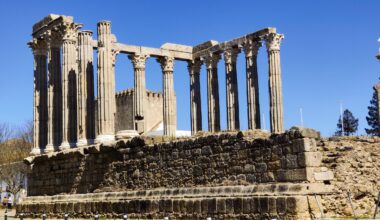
{"points": [[226, 176], [281, 201]]}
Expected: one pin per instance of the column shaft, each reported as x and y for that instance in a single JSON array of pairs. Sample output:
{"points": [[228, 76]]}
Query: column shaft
{"points": [[40, 97], [106, 105], [195, 96], [69, 90], [85, 92], [275, 85], [253, 101], [169, 99], [54, 94], [213, 92], [232, 98], [139, 94]]}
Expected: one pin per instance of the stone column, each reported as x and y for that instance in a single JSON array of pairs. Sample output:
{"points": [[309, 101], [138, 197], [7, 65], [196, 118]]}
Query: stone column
{"points": [[273, 42], [54, 92], [106, 105], [39, 48], [169, 99], [377, 88], [251, 49], [85, 94], [195, 96], [69, 86], [139, 94], [211, 62], [230, 57]]}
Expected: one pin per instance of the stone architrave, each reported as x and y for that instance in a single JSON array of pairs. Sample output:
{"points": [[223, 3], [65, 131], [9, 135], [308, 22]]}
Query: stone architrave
{"points": [[194, 68], [251, 48], [232, 98], [169, 98], [85, 90], [377, 88], [69, 85], [139, 95], [106, 105], [54, 91], [39, 48], [273, 42], [211, 62]]}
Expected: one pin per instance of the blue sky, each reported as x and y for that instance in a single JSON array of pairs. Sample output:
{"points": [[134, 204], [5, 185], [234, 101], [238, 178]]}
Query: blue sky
{"points": [[328, 54]]}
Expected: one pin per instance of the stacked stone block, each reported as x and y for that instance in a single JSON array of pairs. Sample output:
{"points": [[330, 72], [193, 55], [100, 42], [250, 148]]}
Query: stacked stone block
{"points": [[226, 176]]}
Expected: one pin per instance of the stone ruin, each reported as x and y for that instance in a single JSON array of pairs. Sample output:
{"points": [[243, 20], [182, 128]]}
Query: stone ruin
{"points": [[85, 162], [64, 101]]}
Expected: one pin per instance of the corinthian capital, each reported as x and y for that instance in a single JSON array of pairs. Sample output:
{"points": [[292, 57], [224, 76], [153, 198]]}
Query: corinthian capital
{"points": [[377, 87], [273, 41], [53, 38], [69, 31], [39, 47], [230, 55], [138, 60], [114, 53], [212, 60], [194, 66], [167, 63], [251, 47]]}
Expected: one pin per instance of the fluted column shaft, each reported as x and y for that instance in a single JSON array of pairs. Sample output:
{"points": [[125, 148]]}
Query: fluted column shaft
{"points": [[40, 97], [169, 99], [253, 101], [54, 93], [106, 105], [139, 95], [213, 92], [85, 92], [195, 96], [230, 56], [273, 42], [69, 89]]}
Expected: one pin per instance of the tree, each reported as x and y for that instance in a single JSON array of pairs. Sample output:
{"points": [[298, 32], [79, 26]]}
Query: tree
{"points": [[15, 145], [14, 176], [350, 124], [372, 118]]}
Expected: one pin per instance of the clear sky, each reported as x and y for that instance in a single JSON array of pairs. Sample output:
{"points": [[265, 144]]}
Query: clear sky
{"points": [[328, 54]]}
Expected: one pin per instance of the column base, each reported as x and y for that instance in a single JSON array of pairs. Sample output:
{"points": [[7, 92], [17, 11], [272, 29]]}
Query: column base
{"points": [[49, 148], [84, 142], [36, 151], [126, 134], [66, 145], [105, 138]]}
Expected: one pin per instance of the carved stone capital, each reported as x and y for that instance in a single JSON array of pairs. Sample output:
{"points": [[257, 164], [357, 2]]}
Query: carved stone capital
{"points": [[167, 63], [69, 31], [39, 47], [138, 60], [114, 53], [194, 66], [212, 60], [251, 47], [377, 87], [53, 38], [230, 55], [273, 41]]}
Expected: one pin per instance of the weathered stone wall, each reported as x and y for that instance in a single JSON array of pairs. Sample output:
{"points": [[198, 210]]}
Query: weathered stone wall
{"points": [[229, 175], [124, 110], [216, 160], [355, 162]]}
